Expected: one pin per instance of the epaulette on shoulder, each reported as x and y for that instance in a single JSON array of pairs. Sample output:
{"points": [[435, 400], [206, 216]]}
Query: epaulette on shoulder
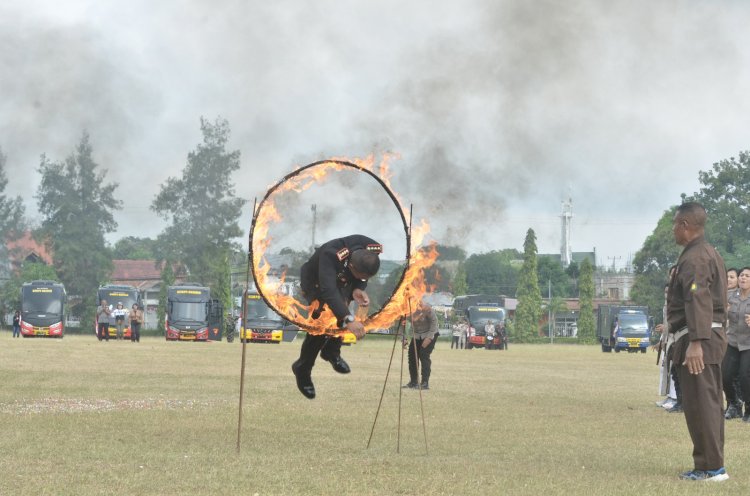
{"points": [[342, 254], [377, 248]]}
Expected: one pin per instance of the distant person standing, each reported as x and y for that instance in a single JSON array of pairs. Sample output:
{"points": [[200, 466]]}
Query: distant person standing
{"points": [[737, 358], [424, 336], [102, 320], [464, 328], [455, 334], [119, 314], [136, 319], [734, 409], [17, 324], [489, 334], [697, 315]]}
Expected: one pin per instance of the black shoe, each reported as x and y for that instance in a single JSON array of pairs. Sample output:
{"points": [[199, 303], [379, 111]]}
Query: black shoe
{"points": [[304, 381], [339, 365], [732, 412], [410, 385], [677, 408], [424, 385]]}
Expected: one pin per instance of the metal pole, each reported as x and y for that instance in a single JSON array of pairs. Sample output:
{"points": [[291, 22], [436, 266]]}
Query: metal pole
{"points": [[549, 312], [242, 326], [385, 382], [314, 209]]}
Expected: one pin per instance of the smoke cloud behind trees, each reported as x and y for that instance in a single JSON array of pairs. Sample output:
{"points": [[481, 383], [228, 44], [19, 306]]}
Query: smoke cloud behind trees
{"points": [[499, 110]]}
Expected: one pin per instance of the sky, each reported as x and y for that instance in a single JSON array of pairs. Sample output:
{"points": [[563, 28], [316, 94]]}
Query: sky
{"points": [[498, 110]]}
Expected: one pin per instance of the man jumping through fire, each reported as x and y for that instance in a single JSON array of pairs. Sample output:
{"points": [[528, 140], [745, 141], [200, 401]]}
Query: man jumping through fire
{"points": [[336, 274]]}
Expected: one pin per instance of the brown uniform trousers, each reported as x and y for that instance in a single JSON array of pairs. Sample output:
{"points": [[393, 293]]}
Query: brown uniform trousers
{"points": [[703, 404], [697, 300]]}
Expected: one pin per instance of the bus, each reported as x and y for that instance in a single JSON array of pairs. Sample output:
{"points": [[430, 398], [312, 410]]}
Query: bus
{"points": [[190, 312], [114, 294], [261, 324], [42, 309], [478, 310]]}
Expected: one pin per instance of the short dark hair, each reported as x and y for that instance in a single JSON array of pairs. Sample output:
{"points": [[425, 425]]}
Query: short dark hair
{"points": [[693, 212], [366, 261], [733, 269]]}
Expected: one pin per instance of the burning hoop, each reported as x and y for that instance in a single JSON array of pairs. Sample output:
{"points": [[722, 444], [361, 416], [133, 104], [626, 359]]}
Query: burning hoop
{"points": [[286, 305]]}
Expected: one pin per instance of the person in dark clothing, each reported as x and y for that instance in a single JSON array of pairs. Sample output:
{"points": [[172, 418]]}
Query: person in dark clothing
{"points": [[336, 274], [17, 324], [423, 339], [697, 315], [736, 363], [136, 319], [102, 321]]}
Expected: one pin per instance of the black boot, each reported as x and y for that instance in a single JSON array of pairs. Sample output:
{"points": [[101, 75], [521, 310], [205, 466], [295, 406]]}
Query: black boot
{"points": [[732, 412], [424, 385], [304, 381]]}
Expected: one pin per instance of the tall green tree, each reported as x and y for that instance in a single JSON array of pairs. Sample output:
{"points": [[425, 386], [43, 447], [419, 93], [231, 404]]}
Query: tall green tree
{"points": [[11, 208], [459, 286], [167, 279], [651, 266], [11, 219], [77, 206], [550, 270], [725, 193], [529, 309], [586, 322], [135, 248], [203, 209], [493, 272], [30, 271]]}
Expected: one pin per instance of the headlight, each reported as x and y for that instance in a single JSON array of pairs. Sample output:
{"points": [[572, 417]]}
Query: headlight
{"points": [[622, 340]]}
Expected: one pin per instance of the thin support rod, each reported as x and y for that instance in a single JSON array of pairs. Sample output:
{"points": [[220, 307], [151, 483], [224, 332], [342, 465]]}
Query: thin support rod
{"points": [[387, 373], [400, 389], [419, 384], [244, 341]]}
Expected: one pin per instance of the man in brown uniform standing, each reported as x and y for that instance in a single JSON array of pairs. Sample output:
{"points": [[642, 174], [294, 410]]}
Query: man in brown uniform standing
{"points": [[697, 314]]}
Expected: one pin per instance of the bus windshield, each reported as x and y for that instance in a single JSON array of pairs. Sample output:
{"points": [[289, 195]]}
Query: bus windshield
{"points": [[258, 310], [113, 297], [189, 311], [633, 325], [42, 300], [479, 316]]}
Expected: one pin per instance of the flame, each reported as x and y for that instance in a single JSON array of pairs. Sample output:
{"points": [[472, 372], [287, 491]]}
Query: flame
{"points": [[403, 301]]}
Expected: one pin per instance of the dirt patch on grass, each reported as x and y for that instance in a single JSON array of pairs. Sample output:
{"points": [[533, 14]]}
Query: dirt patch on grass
{"points": [[79, 405]]}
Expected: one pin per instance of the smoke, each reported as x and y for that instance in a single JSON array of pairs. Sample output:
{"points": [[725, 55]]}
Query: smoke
{"points": [[499, 109]]}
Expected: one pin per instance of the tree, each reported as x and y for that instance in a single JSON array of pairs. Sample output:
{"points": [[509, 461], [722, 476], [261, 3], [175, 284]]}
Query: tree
{"points": [[492, 273], [586, 323], [529, 308], [554, 306], [134, 248], [203, 210], [11, 209], [167, 279], [651, 266], [77, 209], [726, 196], [11, 218], [550, 270], [30, 271], [451, 252], [459, 284]]}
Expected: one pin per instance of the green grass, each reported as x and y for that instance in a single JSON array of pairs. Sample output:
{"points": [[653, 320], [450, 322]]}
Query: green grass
{"points": [[79, 417]]}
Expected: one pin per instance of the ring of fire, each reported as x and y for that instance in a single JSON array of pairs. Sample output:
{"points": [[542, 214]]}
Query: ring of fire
{"points": [[266, 214]]}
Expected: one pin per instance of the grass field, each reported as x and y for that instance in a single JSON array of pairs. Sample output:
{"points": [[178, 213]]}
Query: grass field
{"points": [[80, 417]]}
